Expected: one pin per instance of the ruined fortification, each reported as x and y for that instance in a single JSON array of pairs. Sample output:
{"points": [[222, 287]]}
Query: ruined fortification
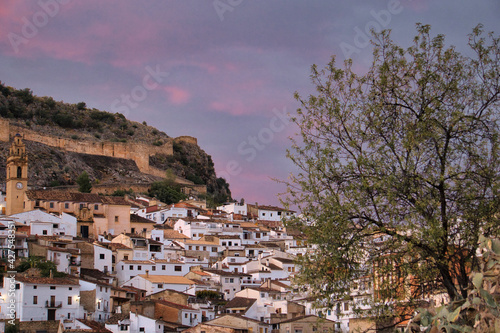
{"points": [[138, 152]]}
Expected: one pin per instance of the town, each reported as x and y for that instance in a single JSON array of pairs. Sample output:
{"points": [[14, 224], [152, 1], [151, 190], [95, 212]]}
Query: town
{"points": [[134, 264]]}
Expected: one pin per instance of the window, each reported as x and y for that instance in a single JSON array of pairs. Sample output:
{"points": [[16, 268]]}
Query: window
{"points": [[52, 287], [163, 267], [55, 226], [116, 218], [125, 257], [44, 232], [160, 285], [153, 268], [131, 267], [101, 256], [214, 249], [69, 315], [66, 205], [18, 286], [51, 205], [346, 306], [81, 206], [35, 299], [178, 268], [185, 315], [223, 243], [231, 280], [139, 267], [34, 287], [70, 300]]}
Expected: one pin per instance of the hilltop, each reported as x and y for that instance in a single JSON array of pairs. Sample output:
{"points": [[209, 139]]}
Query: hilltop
{"points": [[64, 139]]}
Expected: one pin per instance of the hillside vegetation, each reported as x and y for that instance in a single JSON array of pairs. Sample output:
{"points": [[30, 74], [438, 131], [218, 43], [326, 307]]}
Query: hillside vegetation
{"points": [[50, 166]]}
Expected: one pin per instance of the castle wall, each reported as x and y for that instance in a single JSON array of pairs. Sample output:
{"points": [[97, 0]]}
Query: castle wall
{"points": [[138, 152]]}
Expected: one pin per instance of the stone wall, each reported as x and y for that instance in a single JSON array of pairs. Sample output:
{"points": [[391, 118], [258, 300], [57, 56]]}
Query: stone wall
{"points": [[138, 152]]}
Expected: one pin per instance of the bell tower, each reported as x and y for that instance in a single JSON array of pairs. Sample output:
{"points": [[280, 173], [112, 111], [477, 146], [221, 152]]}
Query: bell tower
{"points": [[17, 176]]}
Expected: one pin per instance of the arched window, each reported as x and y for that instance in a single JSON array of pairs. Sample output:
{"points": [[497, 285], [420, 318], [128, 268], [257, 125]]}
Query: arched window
{"points": [[19, 172]]}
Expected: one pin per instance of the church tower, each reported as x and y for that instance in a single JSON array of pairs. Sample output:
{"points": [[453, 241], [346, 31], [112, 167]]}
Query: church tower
{"points": [[17, 176]]}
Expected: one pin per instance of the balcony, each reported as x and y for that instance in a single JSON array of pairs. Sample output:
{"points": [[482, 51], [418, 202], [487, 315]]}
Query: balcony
{"points": [[53, 305]]}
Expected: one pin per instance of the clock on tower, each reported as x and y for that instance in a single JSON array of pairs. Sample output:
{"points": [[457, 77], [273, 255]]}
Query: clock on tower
{"points": [[17, 176]]}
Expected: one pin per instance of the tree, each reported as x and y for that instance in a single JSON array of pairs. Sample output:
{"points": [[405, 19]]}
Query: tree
{"points": [[46, 267], [402, 162], [85, 186]]}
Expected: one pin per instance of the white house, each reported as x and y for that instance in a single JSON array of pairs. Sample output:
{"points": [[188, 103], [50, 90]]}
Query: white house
{"points": [[234, 208], [95, 298], [102, 258], [42, 223], [40, 298], [156, 283], [67, 260], [127, 269]]}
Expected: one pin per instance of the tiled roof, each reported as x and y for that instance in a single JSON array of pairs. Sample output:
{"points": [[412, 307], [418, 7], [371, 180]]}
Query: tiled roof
{"points": [[173, 234], [284, 260], [199, 242], [94, 274], [200, 273], [46, 280], [224, 273], [167, 279], [240, 302], [304, 317], [140, 262], [134, 218], [114, 319], [115, 246], [95, 327], [174, 305], [61, 249]]}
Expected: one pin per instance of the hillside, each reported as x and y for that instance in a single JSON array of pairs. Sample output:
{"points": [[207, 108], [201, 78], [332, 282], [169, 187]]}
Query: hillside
{"points": [[51, 166]]}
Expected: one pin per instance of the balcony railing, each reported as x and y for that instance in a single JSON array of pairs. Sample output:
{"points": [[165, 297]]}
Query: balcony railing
{"points": [[49, 304]]}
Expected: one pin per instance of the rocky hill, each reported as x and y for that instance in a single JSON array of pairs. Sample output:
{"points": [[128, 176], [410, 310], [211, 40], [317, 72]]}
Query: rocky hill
{"points": [[52, 166]]}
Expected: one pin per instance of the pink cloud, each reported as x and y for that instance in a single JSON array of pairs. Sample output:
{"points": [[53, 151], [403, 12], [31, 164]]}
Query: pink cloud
{"points": [[236, 108], [177, 95]]}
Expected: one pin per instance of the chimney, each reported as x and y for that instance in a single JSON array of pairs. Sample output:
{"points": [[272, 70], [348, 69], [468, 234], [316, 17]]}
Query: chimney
{"points": [[147, 273]]}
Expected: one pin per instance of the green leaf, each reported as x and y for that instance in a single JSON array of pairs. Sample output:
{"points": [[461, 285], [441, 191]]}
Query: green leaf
{"points": [[497, 325], [476, 301], [465, 305], [488, 298], [495, 246], [452, 317], [478, 280]]}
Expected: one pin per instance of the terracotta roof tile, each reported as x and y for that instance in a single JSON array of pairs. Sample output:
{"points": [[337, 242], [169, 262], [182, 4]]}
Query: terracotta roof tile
{"points": [[240, 302], [46, 280], [134, 218]]}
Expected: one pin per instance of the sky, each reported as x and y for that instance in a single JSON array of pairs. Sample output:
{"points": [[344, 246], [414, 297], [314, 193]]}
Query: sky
{"points": [[223, 71]]}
